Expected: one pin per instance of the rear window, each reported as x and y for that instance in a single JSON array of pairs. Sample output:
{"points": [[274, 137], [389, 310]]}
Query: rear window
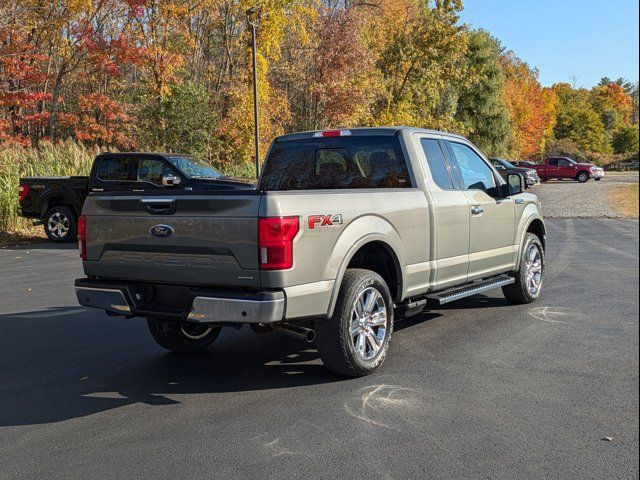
{"points": [[336, 163]]}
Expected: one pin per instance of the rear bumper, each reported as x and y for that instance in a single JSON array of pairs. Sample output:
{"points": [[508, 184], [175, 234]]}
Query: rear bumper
{"points": [[182, 303]]}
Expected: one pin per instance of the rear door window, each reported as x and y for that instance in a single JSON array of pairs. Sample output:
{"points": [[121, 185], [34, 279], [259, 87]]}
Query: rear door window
{"points": [[437, 164], [336, 163], [118, 169]]}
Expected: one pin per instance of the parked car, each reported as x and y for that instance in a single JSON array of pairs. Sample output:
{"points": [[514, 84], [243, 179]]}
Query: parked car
{"points": [[347, 230], [504, 168], [523, 163], [566, 168], [56, 202]]}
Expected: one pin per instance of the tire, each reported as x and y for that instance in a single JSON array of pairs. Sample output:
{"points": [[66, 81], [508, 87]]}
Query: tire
{"points": [[583, 177], [522, 290], [61, 225], [344, 351], [597, 179], [182, 337]]}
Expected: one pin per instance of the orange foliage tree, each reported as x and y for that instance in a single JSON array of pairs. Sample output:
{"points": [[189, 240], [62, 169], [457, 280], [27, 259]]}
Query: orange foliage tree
{"points": [[531, 107]]}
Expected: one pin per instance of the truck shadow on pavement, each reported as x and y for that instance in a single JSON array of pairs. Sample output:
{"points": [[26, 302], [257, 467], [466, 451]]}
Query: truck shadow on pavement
{"points": [[64, 363]]}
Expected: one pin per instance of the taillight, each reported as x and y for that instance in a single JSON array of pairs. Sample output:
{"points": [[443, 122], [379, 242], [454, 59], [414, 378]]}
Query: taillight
{"points": [[82, 236], [23, 191], [275, 242]]}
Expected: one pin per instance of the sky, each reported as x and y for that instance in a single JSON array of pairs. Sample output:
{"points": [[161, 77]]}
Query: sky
{"points": [[565, 39]]}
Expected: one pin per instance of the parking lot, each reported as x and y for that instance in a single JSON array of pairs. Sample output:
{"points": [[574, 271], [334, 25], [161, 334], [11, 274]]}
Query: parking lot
{"points": [[480, 389], [568, 198]]}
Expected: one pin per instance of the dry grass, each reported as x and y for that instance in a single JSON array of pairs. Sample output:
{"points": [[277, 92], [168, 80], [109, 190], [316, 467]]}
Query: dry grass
{"points": [[625, 200], [28, 234]]}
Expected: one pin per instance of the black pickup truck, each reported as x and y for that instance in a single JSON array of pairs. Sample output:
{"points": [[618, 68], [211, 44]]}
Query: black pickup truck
{"points": [[56, 202]]}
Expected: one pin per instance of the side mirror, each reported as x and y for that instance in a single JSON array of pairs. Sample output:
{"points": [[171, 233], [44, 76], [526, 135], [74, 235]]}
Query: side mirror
{"points": [[515, 184], [170, 180]]}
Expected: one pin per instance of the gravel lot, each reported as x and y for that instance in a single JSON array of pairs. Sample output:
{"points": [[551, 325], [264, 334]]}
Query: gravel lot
{"points": [[570, 199]]}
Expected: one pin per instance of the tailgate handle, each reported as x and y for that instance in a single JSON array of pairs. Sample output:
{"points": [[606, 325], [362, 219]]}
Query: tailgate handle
{"points": [[159, 205]]}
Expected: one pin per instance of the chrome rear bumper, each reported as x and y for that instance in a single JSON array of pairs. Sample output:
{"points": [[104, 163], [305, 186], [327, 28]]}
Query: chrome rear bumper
{"points": [[201, 305]]}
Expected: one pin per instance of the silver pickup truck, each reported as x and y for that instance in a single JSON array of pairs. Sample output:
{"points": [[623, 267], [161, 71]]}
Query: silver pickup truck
{"points": [[345, 231]]}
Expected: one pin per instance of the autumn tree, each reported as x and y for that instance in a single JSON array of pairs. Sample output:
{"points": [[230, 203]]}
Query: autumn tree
{"points": [[481, 106], [22, 87], [531, 107], [578, 120], [422, 66]]}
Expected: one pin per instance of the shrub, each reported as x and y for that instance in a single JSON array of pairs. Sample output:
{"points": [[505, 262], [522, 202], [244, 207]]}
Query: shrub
{"points": [[625, 139]]}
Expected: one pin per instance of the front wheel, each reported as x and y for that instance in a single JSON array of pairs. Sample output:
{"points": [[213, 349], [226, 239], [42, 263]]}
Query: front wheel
{"points": [[529, 276], [583, 177], [61, 225], [183, 337], [355, 340]]}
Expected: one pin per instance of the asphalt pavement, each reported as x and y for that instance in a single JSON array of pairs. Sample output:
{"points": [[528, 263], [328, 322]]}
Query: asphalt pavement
{"points": [[481, 389]]}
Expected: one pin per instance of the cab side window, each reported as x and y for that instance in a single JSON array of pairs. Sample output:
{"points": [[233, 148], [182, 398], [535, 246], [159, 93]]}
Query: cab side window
{"points": [[476, 174], [553, 162], [152, 170], [564, 163]]}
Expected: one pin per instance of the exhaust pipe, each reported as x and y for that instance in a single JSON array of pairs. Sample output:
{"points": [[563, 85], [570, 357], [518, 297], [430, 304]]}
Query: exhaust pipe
{"points": [[301, 333]]}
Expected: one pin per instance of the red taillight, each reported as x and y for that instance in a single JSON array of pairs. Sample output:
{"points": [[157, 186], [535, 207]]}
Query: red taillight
{"points": [[82, 237], [23, 191], [275, 242]]}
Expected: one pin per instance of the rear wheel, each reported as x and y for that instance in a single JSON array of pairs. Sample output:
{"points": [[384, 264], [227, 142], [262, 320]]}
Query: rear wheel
{"points": [[583, 177], [61, 225], [530, 275], [184, 337], [355, 340]]}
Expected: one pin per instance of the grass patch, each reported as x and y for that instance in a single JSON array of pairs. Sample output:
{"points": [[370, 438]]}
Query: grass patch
{"points": [[625, 200]]}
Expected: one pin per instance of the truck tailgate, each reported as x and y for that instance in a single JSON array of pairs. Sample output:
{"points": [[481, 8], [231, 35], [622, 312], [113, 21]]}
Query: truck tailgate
{"points": [[180, 239]]}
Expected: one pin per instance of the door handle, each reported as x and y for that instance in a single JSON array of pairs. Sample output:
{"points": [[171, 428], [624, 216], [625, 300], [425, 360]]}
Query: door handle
{"points": [[476, 210]]}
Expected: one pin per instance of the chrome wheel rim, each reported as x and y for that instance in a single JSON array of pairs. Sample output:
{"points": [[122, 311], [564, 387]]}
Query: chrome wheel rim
{"points": [[196, 331], [58, 225], [368, 326], [533, 269]]}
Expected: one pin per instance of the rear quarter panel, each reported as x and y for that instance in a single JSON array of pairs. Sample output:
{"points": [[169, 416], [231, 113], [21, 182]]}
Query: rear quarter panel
{"points": [[397, 217]]}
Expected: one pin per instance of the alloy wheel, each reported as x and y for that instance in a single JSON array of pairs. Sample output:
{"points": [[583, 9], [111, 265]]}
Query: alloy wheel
{"points": [[368, 327]]}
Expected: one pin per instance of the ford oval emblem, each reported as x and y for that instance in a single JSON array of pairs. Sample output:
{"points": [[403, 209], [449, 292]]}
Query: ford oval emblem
{"points": [[161, 231]]}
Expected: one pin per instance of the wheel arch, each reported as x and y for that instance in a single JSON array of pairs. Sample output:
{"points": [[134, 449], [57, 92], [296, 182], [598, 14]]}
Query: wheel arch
{"points": [[386, 254], [60, 199], [534, 223]]}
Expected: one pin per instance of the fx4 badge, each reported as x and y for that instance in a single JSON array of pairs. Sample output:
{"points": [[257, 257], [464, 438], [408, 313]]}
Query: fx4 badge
{"points": [[331, 220]]}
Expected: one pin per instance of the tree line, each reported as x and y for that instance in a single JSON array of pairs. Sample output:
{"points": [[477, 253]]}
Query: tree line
{"points": [[176, 75]]}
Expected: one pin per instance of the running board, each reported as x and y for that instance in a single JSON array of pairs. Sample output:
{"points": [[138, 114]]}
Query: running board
{"points": [[457, 293]]}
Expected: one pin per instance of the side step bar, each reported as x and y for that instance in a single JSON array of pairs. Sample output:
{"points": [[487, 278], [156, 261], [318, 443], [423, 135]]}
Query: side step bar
{"points": [[457, 293]]}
